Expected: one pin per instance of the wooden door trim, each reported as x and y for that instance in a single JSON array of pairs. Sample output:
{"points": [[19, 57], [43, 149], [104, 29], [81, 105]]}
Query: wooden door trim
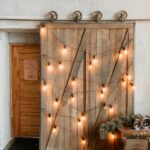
{"points": [[11, 45], [82, 25]]}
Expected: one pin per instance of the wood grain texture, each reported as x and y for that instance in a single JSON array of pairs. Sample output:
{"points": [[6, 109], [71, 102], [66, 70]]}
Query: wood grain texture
{"points": [[25, 93], [103, 41]]}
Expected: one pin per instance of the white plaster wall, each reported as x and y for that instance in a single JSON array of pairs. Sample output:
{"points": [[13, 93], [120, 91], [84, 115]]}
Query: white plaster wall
{"points": [[39, 8], [142, 68], [22, 38], [4, 91]]}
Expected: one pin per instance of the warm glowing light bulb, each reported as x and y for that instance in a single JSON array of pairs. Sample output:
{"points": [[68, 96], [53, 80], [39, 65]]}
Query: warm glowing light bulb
{"points": [[73, 81], [83, 118], [61, 65], [112, 136], [123, 82], [44, 85], [104, 88], [54, 129], [49, 66], [72, 98], [83, 140], [120, 55], [111, 109], [128, 76], [105, 106], [102, 94], [64, 50], [56, 102], [42, 28], [133, 86], [125, 51], [49, 117], [94, 60], [79, 122], [90, 65]]}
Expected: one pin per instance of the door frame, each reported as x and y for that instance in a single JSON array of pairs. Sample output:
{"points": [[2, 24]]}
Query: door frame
{"points": [[11, 87]]}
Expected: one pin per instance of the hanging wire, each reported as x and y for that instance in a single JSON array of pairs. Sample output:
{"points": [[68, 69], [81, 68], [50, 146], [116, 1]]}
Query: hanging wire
{"points": [[103, 53]]}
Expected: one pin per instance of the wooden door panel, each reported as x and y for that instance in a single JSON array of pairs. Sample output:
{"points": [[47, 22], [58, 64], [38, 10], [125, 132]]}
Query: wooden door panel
{"points": [[25, 91], [29, 90], [28, 101]]}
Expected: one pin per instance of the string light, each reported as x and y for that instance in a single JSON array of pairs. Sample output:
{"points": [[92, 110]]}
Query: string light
{"points": [[102, 94], [79, 122], [128, 76], [49, 117], [111, 108], [83, 141], [56, 102], [125, 51], [49, 66], [133, 86], [120, 55], [83, 118], [61, 65], [54, 129], [123, 82], [72, 97], [105, 106], [112, 136], [94, 60], [90, 65], [64, 50], [44, 85], [104, 88], [73, 81], [42, 28]]}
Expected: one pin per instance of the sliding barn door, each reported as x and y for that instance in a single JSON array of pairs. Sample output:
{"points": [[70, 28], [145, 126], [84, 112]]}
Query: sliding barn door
{"points": [[78, 62]]}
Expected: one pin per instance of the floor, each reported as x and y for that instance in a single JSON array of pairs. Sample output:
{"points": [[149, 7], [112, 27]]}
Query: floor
{"points": [[25, 144]]}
